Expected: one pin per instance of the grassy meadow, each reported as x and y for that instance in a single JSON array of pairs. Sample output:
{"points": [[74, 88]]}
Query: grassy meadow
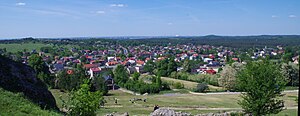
{"points": [[13, 47], [191, 85], [178, 100], [14, 104]]}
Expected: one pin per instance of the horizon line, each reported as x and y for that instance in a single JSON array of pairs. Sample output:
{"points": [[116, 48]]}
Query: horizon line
{"points": [[148, 36]]}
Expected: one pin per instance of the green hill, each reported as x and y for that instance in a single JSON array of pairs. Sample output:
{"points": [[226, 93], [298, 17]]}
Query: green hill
{"points": [[14, 104]]}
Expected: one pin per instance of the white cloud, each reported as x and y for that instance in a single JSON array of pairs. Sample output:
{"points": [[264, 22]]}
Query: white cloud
{"points": [[170, 23], [117, 5], [100, 12], [20, 4], [274, 16], [292, 16]]}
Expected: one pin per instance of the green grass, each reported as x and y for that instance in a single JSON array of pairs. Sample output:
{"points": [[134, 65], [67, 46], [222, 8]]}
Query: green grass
{"points": [[20, 47], [16, 105], [191, 85], [180, 99], [13, 47], [57, 93], [183, 101], [288, 112], [291, 88]]}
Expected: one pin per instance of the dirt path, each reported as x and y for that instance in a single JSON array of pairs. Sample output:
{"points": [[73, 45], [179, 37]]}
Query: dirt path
{"points": [[128, 91], [188, 108], [230, 93], [215, 93]]}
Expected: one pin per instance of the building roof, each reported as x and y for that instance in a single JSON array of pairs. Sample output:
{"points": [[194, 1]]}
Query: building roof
{"points": [[140, 62], [88, 66], [112, 63], [98, 69], [211, 71]]}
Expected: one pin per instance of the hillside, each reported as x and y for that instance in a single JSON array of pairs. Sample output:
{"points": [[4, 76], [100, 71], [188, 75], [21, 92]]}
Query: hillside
{"points": [[18, 77], [16, 104]]}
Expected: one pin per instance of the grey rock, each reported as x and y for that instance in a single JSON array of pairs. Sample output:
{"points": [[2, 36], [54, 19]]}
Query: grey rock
{"points": [[18, 77]]}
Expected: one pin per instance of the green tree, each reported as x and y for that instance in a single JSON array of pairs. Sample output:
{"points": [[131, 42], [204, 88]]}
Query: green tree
{"points": [[149, 66], [98, 84], [262, 83], [120, 74], [201, 87], [83, 102], [287, 57], [158, 81], [70, 81], [186, 66], [162, 67], [291, 72], [136, 76], [37, 63], [171, 66]]}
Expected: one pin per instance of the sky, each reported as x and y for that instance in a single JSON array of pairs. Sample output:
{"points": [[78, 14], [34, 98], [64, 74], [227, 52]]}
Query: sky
{"points": [[98, 18]]}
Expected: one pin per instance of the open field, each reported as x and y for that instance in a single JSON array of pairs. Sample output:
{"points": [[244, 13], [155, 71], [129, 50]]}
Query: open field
{"points": [[20, 47], [180, 101], [28, 46], [190, 85]]}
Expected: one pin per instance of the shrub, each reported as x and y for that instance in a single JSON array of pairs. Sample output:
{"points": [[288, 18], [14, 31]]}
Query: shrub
{"points": [[201, 87], [83, 102], [178, 85]]}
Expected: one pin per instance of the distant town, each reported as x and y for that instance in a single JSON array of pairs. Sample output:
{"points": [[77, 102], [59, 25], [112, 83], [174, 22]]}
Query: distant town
{"points": [[164, 66]]}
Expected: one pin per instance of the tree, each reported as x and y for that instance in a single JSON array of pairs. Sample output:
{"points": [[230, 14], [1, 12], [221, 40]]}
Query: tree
{"points": [[287, 57], [186, 66], [201, 87], [70, 81], [98, 84], [158, 81], [291, 72], [83, 102], [171, 66], [262, 83], [37, 63], [228, 78], [162, 67], [120, 74], [149, 66], [136, 76]]}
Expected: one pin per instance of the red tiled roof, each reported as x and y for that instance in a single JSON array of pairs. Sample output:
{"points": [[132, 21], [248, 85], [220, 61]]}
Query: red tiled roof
{"points": [[125, 62], [112, 63], [96, 69], [211, 71], [235, 59], [88, 66], [140, 62]]}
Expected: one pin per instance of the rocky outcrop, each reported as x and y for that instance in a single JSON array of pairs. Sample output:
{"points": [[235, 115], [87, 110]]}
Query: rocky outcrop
{"points": [[168, 112], [18, 77], [231, 113]]}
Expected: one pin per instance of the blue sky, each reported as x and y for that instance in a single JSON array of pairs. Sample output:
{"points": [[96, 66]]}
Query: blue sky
{"points": [[96, 18]]}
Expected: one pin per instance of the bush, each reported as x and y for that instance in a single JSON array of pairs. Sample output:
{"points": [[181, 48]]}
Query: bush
{"points": [[165, 86], [178, 85], [83, 102], [202, 87], [98, 84]]}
